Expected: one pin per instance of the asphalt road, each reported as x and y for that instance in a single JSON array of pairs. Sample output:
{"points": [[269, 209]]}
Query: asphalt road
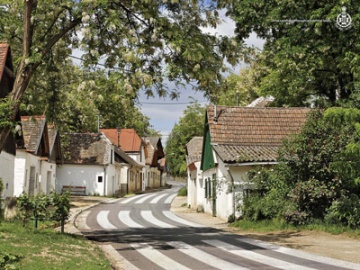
{"points": [[143, 233]]}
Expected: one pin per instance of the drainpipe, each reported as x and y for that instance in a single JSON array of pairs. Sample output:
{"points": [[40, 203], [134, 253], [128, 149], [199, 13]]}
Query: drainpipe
{"points": [[232, 190], [105, 180]]}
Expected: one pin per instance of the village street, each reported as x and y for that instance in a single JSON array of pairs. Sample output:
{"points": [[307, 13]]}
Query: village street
{"points": [[142, 233]]}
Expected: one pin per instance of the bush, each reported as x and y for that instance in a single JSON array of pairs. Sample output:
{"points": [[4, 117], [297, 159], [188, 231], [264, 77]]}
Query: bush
{"points": [[54, 207], [345, 211], [182, 191]]}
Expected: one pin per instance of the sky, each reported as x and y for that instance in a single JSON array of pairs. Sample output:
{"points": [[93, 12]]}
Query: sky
{"points": [[164, 112]]}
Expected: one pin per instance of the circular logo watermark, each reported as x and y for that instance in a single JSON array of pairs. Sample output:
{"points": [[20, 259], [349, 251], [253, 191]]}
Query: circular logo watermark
{"points": [[343, 20]]}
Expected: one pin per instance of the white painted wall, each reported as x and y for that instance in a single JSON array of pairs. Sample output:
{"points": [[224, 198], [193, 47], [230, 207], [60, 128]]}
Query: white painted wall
{"points": [[47, 177], [19, 172], [81, 175], [45, 174], [23, 163], [225, 204], [7, 173]]}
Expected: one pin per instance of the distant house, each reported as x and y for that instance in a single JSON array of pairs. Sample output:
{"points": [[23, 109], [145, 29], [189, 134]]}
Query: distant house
{"points": [[195, 182], [236, 140], [154, 154], [7, 156], [130, 142], [37, 156], [92, 166]]}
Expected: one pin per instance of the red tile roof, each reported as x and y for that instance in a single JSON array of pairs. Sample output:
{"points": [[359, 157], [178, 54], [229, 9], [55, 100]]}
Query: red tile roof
{"points": [[128, 139], [243, 134]]}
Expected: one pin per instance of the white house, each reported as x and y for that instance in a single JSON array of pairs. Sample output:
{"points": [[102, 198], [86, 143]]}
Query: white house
{"points": [[129, 141], [89, 166], [236, 140], [7, 156], [36, 157], [154, 155], [195, 183]]}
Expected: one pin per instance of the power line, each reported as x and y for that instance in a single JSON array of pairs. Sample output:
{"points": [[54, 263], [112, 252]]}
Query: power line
{"points": [[168, 103]]}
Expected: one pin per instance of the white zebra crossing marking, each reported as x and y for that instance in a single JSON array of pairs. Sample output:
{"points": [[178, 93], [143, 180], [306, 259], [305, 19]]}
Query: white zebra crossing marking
{"points": [[143, 199], [255, 256], [148, 216], [170, 198], [120, 261], [135, 197], [125, 218], [301, 254], [205, 257], [157, 257], [103, 220], [158, 198], [174, 217]]}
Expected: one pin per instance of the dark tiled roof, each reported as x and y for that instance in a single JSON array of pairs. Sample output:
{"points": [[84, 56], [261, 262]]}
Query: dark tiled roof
{"points": [[153, 150], [128, 139], [86, 148], [238, 153], [32, 130], [250, 134], [194, 150], [4, 48]]}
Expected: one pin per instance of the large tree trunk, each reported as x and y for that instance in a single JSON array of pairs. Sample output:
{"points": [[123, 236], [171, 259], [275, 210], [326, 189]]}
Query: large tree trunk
{"points": [[26, 70], [23, 74]]}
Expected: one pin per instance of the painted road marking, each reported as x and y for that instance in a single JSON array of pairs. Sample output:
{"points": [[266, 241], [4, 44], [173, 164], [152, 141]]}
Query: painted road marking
{"points": [[148, 216], [103, 220], [174, 217], [125, 218]]}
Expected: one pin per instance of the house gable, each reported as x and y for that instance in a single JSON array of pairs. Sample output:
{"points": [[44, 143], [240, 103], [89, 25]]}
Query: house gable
{"points": [[153, 151], [35, 134], [86, 149], [6, 83], [207, 158]]}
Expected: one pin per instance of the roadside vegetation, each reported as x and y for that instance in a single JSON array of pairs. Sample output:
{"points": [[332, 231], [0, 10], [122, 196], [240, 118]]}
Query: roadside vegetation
{"points": [[316, 183], [22, 247], [183, 192], [29, 240]]}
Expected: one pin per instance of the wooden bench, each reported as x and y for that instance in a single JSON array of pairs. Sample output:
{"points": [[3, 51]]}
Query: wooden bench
{"points": [[75, 190]]}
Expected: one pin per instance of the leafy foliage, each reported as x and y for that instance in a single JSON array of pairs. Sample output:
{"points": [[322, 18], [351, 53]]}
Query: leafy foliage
{"points": [[55, 206], [190, 124], [140, 47], [239, 89], [304, 60], [7, 261], [315, 177]]}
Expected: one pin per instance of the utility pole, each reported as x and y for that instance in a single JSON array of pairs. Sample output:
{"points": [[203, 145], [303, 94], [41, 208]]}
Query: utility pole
{"points": [[98, 122]]}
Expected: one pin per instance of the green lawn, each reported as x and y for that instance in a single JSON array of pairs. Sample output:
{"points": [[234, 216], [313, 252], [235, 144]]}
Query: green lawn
{"points": [[47, 249]]}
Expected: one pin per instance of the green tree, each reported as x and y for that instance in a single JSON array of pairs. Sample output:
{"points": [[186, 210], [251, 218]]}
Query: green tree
{"points": [[145, 43], [239, 89], [190, 124], [303, 62]]}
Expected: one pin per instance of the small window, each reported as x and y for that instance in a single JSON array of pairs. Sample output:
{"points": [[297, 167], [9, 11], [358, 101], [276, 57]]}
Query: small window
{"points": [[100, 179]]}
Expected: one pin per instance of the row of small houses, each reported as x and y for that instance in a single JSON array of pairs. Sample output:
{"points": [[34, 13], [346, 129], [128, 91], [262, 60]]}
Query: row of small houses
{"points": [[110, 162], [88, 164], [236, 140]]}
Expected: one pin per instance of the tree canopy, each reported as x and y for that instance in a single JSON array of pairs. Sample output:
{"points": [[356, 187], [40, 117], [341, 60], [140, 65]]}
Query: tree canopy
{"points": [[144, 44], [317, 176], [190, 124], [306, 59]]}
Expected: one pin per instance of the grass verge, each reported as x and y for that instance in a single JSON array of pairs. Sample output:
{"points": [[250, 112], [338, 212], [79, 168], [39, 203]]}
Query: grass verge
{"points": [[265, 226], [46, 249]]}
